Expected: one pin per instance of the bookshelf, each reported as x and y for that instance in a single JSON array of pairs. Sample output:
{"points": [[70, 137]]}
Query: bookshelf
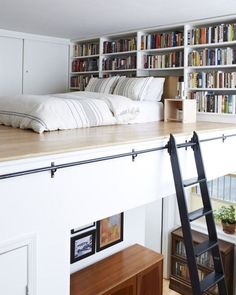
{"points": [[161, 51], [179, 279], [211, 68], [85, 56], [201, 53], [119, 55]]}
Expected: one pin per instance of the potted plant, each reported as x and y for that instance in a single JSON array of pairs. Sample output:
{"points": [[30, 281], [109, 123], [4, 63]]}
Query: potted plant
{"points": [[227, 217]]}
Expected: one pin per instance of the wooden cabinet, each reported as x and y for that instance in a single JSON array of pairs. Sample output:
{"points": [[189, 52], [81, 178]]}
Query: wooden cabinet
{"points": [[179, 280], [133, 271], [183, 110]]}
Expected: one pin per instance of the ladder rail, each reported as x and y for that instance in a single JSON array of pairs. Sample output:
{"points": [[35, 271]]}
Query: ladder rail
{"points": [[211, 227], [189, 248]]}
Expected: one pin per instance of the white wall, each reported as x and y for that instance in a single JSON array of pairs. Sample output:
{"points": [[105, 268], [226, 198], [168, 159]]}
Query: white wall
{"points": [[134, 232]]}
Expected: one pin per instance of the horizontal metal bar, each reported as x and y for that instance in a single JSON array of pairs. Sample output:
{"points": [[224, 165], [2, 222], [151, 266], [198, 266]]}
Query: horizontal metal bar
{"points": [[53, 168]]}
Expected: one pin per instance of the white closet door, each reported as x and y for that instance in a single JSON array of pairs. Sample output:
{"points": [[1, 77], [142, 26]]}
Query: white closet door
{"points": [[45, 67], [14, 272], [11, 53]]}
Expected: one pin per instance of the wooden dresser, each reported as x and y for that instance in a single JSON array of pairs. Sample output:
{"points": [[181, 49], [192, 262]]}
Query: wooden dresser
{"points": [[135, 270]]}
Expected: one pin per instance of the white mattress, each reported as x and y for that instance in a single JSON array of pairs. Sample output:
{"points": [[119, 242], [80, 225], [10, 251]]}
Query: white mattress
{"points": [[150, 111]]}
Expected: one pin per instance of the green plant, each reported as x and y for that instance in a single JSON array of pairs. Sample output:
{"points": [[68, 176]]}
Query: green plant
{"points": [[226, 214]]}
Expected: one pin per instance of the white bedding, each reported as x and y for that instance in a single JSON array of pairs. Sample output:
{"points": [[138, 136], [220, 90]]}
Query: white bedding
{"points": [[73, 110], [149, 111]]}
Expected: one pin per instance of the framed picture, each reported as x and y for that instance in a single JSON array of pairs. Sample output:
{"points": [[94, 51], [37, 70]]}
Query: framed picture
{"points": [[82, 246], [110, 231], [82, 228]]}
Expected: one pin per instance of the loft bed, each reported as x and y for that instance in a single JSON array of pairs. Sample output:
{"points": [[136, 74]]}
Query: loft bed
{"points": [[113, 169]]}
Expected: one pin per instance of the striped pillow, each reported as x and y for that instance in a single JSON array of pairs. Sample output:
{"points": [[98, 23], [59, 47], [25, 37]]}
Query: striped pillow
{"points": [[102, 85], [134, 88]]}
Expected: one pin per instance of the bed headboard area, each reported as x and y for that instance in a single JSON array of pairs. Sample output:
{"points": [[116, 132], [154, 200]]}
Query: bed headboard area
{"points": [[170, 87]]}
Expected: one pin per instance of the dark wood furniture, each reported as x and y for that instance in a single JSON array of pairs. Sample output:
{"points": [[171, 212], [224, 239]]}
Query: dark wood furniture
{"points": [[133, 271], [179, 279]]}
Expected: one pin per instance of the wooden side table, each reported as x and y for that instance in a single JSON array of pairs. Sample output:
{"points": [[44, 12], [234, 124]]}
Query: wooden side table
{"points": [[182, 110], [135, 270]]}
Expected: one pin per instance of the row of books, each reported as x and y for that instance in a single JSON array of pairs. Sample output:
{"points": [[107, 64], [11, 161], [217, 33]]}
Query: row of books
{"points": [[214, 79], [212, 34], [205, 259], [79, 82], [212, 56], [86, 49], [87, 65], [120, 45], [162, 40], [181, 270], [119, 63], [212, 103], [168, 60]]}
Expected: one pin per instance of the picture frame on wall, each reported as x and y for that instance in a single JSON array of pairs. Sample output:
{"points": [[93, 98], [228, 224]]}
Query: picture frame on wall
{"points": [[110, 231], [82, 245], [82, 228]]}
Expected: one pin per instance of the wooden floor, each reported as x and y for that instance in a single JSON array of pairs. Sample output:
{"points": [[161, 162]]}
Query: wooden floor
{"points": [[166, 290], [18, 144]]}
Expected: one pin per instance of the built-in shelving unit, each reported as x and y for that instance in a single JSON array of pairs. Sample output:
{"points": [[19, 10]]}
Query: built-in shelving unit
{"points": [[85, 57], [201, 47], [210, 68], [179, 278]]}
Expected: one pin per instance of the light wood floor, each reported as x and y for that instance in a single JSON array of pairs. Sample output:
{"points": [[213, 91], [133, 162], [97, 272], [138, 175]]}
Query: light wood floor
{"points": [[18, 144], [166, 290]]}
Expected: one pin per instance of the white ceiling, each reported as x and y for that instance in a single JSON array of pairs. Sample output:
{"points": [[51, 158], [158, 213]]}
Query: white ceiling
{"points": [[83, 18]]}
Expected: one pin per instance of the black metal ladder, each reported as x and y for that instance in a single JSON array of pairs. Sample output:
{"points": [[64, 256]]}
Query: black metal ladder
{"points": [[211, 245]]}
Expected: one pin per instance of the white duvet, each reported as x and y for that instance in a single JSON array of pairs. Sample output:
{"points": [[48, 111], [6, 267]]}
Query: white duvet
{"points": [[66, 111]]}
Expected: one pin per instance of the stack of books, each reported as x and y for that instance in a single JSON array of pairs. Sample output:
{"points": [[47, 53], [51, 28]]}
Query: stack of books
{"points": [[212, 34], [119, 63], [168, 60], [162, 40], [86, 49], [215, 103], [120, 45], [214, 79], [87, 65], [212, 56]]}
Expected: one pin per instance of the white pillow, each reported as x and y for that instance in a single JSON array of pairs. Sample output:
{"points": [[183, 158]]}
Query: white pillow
{"points": [[102, 85], [155, 89], [134, 88]]}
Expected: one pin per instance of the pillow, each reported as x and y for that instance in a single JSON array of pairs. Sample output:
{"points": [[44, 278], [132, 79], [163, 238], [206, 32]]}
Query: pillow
{"points": [[155, 89], [134, 88], [102, 85]]}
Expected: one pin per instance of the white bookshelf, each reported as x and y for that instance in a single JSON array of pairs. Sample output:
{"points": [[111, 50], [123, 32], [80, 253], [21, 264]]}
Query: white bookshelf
{"points": [[209, 45], [182, 71], [217, 98], [85, 56], [163, 69], [120, 53], [156, 50]]}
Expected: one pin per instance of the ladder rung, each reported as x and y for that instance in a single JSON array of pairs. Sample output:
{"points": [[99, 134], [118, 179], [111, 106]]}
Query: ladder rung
{"points": [[210, 280], [186, 144], [204, 247], [198, 214], [193, 181]]}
